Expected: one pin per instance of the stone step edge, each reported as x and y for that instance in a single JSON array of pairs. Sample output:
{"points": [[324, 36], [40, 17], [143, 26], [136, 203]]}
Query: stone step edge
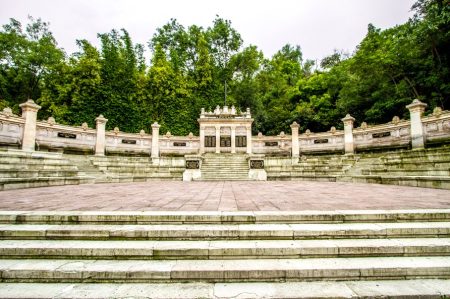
{"points": [[261, 270], [57, 249], [429, 288], [150, 217]]}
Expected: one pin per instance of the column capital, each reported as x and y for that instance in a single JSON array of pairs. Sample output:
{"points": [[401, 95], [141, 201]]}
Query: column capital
{"points": [[100, 119], [155, 125], [348, 119], [295, 125], [29, 105], [417, 106]]}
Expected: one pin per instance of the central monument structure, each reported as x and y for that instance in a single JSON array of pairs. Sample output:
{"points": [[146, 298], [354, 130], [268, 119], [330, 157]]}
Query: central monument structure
{"points": [[225, 131]]}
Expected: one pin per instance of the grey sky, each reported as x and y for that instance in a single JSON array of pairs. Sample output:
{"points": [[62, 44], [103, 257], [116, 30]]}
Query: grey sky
{"points": [[318, 26]]}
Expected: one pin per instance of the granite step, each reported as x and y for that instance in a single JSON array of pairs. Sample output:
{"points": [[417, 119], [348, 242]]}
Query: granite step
{"points": [[226, 231], [236, 249], [228, 270], [417, 288], [224, 217]]}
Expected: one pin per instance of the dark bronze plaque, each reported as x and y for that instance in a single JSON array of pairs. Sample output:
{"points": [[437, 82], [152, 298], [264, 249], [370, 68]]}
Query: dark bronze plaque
{"points": [[128, 141], [192, 165], [225, 141], [321, 141], [274, 143], [257, 164], [179, 144], [381, 135], [67, 135], [210, 141]]}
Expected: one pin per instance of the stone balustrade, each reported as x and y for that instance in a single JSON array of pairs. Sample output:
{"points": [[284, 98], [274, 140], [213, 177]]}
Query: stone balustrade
{"points": [[51, 136]]}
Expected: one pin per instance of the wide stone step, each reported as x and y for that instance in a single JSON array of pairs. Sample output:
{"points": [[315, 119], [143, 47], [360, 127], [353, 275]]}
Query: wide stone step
{"points": [[264, 249], [416, 288], [36, 166], [18, 270], [10, 173], [442, 182], [227, 231], [20, 183], [224, 217]]}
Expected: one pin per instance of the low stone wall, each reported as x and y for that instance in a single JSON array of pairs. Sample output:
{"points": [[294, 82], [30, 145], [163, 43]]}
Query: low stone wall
{"points": [[48, 135]]}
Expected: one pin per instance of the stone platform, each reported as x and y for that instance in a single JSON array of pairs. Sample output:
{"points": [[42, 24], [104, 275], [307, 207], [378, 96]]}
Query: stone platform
{"points": [[224, 196]]}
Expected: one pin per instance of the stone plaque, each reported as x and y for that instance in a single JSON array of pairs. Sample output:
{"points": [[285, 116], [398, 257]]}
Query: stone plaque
{"points": [[67, 135], [192, 165], [128, 141], [271, 143], [381, 135], [179, 144], [257, 164], [321, 141]]}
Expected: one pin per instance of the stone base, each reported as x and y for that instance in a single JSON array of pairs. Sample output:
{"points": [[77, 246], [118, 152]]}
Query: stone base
{"points": [[191, 174], [257, 174]]}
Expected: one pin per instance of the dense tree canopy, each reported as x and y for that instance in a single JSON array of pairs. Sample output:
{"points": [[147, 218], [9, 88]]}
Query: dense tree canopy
{"points": [[191, 67]]}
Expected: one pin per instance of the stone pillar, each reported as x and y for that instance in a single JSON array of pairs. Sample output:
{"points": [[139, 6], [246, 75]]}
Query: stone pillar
{"points": [[202, 139], [295, 144], [416, 109], [233, 139], [348, 134], [249, 138], [100, 140], [29, 112], [217, 139], [155, 143]]}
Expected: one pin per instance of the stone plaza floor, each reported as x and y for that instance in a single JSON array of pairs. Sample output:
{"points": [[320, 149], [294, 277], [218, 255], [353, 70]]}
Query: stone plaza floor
{"points": [[224, 196]]}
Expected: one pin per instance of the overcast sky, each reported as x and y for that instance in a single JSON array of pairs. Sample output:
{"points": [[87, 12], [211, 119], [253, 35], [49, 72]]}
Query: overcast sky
{"points": [[318, 26]]}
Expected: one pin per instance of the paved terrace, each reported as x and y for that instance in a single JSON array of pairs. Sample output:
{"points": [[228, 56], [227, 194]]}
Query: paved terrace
{"points": [[224, 196]]}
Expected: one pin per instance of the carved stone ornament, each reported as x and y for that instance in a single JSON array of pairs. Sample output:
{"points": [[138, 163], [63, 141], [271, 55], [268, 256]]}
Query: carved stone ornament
{"points": [[116, 130], [395, 120], [7, 112], [308, 132], [168, 134], [257, 164], [282, 135], [142, 133], [51, 121], [84, 126], [260, 135], [191, 135], [333, 130], [437, 111], [192, 165], [363, 125]]}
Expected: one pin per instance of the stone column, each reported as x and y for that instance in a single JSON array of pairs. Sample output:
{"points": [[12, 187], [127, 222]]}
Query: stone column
{"points": [[217, 139], [100, 140], [155, 143], [416, 109], [348, 134], [202, 139], [249, 139], [29, 112], [295, 144], [233, 139]]}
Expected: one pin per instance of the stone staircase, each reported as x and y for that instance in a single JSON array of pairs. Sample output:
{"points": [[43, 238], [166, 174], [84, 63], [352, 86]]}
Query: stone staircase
{"points": [[225, 254], [121, 169], [224, 167], [19, 169]]}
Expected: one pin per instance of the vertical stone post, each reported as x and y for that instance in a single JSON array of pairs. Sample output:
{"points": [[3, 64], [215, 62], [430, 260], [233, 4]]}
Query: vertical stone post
{"points": [[249, 138], [155, 143], [217, 139], [29, 112], [295, 144], [348, 134], [233, 139], [100, 140], [202, 139], [416, 109]]}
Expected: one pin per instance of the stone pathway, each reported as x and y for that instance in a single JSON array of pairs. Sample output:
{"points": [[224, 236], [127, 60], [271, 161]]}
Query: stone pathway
{"points": [[224, 196]]}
